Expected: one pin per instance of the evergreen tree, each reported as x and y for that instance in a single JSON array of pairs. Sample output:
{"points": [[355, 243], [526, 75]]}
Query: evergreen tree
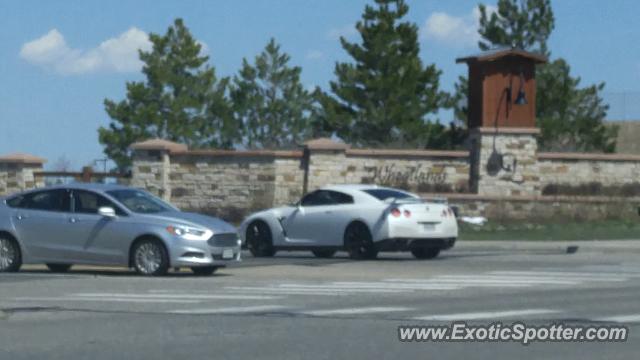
{"points": [[270, 104], [384, 96], [181, 100]]}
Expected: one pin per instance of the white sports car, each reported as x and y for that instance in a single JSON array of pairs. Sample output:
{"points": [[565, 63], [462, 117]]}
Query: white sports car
{"points": [[361, 219]]}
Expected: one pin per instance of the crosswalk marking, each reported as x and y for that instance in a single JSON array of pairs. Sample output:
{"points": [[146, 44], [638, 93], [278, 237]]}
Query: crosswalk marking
{"points": [[590, 276], [486, 315], [177, 296], [229, 310], [356, 311], [363, 286], [621, 318], [112, 299]]}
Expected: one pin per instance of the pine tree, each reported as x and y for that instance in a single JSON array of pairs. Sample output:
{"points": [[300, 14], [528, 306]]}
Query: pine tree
{"points": [[181, 100], [383, 97], [270, 103]]}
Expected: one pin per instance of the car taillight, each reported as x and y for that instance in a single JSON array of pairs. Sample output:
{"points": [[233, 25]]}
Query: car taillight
{"points": [[395, 212], [407, 213]]}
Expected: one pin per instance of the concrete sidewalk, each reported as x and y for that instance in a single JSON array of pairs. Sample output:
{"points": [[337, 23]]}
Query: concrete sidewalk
{"points": [[601, 246]]}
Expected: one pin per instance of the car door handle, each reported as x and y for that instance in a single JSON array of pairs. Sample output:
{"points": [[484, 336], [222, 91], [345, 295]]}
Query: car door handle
{"points": [[73, 220], [19, 216]]}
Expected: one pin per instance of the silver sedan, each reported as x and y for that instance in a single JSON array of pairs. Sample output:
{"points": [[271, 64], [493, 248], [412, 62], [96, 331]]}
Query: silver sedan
{"points": [[110, 225]]}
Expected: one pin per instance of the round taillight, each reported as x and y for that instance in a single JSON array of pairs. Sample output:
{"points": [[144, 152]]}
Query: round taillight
{"points": [[395, 212], [407, 213]]}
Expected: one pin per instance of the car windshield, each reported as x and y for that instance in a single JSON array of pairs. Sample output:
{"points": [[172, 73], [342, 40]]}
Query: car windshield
{"points": [[389, 194], [140, 201]]}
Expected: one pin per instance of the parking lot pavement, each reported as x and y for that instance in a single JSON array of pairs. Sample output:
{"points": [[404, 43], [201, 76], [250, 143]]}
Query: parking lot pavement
{"points": [[342, 303]]}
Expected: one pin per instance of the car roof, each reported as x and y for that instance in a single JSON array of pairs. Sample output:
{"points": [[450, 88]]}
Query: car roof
{"points": [[350, 187], [84, 186], [358, 188]]}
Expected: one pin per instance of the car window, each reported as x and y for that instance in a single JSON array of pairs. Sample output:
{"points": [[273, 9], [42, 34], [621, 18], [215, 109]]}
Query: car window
{"points": [[50, 200], [140, 201], [384, 194], [88, 202], [317, 198], [17, 201], [340, 198]]}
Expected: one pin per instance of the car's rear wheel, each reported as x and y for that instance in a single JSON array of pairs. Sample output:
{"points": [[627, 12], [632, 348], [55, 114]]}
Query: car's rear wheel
{"points": [[323, 253], [359, 242], [260, 240], [425, 253], [204, 270], [59, 268], [149, 257], [10, 255]]}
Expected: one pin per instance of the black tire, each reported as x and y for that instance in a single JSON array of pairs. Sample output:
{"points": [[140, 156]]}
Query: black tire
{"points": [[425, 253], [204, 270], [359, 243], [323, 253], [10, 254], [149, 257], [259, 239], [59, 268]]}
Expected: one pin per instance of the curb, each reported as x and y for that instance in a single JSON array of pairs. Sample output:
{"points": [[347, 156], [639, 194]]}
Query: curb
{"points": [[562, 247]]}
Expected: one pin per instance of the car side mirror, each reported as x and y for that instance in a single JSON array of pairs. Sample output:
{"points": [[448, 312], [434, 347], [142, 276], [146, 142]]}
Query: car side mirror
{"points": [[107, 211]]}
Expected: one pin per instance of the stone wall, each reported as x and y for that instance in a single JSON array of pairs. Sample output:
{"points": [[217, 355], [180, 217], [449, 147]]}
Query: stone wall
{"points": [[231, 184], [17, 173], [580, 169], [546, 208]]}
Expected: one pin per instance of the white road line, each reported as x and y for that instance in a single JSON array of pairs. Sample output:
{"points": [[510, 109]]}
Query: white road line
{"points": [[112, 299], [486, 315], [565, 274], [356, 311], [503, 279], [229, 310], [462, 283], [490, 280], [378, 286], [315, 289], [621, 318], [178, 296]]}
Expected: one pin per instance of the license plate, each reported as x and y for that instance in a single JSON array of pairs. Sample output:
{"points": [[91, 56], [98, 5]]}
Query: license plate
{"points": [[227, 254], [429, 227]]}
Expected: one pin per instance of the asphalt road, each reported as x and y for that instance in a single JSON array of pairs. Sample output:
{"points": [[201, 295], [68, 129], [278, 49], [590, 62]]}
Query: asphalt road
{"points": [[297, 307]]}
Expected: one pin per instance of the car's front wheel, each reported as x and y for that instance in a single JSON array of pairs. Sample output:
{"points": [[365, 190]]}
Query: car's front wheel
{"points": [[204, 270], [149, 257], [425, 253], [10, 255], [59, 268], [359, 242], [259, 239]]}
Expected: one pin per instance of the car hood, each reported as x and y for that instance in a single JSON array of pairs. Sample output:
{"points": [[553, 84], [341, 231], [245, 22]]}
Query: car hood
{"points": [[193, 219]]}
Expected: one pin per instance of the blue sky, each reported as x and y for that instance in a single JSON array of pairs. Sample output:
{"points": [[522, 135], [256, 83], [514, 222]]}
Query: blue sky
{"points": [[60, 59]]}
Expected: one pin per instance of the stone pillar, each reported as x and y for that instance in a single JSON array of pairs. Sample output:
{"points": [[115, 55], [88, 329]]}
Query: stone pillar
{"points": [[504, 161], [17, 173], [151, 165], [324, 163]]}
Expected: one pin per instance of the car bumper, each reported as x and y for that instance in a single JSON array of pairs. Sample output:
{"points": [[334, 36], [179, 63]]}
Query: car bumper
{"points": [[417, 230], [201, 253], [406, 244]]}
